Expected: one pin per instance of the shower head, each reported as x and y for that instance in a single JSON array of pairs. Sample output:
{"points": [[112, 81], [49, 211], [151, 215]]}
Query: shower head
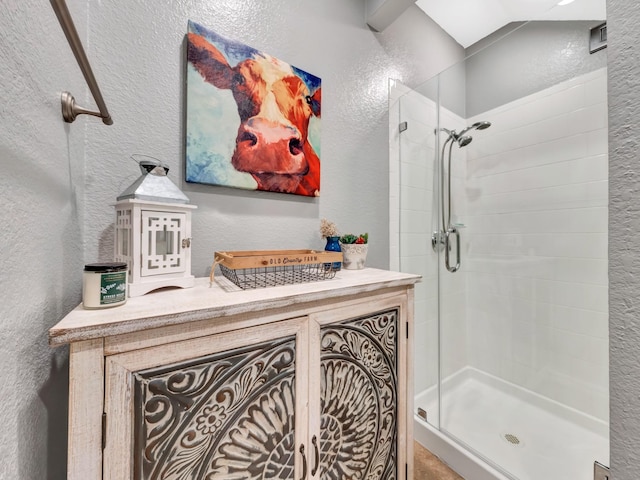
{"points": [[475, 126], [461, 140], [464, 140]]}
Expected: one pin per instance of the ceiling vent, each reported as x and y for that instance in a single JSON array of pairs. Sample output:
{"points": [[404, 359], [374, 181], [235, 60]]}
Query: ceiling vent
{"points": [[382, 13]]}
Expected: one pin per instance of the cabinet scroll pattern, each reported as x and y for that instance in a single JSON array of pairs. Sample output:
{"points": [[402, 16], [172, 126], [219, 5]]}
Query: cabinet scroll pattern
{"points": [[229, 415], [359, 390]]}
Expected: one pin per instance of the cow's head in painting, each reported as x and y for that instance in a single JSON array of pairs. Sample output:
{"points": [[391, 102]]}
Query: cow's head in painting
{"points": [[275, 106]]}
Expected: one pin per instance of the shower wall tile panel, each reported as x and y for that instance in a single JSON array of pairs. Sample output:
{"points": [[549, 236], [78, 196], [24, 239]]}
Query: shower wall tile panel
{"points": [[537, 199]]}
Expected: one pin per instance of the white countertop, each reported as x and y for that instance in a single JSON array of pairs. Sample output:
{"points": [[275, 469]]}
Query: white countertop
{"points": [[175, 306]]}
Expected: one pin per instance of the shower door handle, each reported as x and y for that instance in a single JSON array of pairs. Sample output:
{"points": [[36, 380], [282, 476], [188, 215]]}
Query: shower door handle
{"points": [[447, 248]]}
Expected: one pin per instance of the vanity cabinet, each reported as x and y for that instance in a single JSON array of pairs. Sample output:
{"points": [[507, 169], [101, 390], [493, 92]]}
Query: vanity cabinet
{"points": [[359, 398], [299, 382]]}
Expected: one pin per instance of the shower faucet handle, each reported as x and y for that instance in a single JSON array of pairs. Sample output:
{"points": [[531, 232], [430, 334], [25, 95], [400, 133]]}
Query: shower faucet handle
{"points": [[437, 241]]}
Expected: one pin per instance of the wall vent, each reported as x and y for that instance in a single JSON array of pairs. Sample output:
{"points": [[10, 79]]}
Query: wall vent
{"points": [[598, 38]]}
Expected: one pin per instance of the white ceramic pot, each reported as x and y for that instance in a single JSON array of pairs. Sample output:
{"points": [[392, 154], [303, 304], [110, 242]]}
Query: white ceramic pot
{"points": [[354, 255]]}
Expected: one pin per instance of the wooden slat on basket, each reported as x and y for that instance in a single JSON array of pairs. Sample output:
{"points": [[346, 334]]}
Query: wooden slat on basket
{"points": [[274, 258]]}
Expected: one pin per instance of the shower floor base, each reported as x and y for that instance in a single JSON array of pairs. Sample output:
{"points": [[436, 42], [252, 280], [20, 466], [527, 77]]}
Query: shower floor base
{"points": [[528, 436]]}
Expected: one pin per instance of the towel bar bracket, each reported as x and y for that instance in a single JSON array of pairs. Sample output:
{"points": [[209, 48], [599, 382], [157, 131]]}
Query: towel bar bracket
{"points": [[70, 110]]}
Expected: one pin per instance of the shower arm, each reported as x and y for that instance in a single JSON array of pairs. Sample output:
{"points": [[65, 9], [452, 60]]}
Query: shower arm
{"points": [[440, 239], [449, 189], [446, 215], [442, 203], [443, 237], [449, 229]]}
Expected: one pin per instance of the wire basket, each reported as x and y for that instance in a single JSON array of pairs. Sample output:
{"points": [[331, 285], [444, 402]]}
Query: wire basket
{"points": [[271, 268]]}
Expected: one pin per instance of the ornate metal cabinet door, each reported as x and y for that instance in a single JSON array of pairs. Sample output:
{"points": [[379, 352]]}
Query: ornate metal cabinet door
{"points": [[215, 408], [358, 435]]}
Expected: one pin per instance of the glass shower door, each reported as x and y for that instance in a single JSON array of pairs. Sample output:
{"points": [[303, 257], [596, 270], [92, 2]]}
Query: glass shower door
{"points": [[418, 204], [511, 349]]}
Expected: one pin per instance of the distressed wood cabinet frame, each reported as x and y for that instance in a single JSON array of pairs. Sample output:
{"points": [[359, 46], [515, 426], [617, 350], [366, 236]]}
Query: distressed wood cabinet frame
{"points": [[167, 327]]}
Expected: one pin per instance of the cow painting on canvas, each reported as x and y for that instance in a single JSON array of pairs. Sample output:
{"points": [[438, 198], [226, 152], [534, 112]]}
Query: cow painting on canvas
{"points": [[253, 121]]}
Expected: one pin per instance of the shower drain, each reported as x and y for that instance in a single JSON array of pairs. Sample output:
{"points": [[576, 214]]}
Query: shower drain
{"points": [[512, 439]]}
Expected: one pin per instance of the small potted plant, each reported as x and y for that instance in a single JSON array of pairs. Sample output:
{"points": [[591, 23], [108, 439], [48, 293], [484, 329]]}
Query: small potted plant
{"points": [[354, 250]]}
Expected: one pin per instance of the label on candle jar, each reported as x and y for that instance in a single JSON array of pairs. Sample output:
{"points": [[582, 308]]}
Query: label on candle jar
{"points": [[113, 288]]}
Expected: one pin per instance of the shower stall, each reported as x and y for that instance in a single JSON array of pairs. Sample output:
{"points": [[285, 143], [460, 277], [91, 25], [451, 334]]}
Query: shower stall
{"points": [[499, 178]]}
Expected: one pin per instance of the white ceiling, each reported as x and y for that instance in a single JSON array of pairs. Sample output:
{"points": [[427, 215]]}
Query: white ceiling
{"points": [[468, 21]]}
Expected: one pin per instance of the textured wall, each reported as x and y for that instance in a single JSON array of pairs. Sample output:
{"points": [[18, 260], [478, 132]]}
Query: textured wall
{"points": [[141, 50], [135, 55], [55, 217], [532, 58], [41, 187], [624, 246]]}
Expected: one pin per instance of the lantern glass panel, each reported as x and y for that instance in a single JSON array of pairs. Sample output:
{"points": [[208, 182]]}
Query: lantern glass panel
{"points": [[123, 242], [164, 241]]}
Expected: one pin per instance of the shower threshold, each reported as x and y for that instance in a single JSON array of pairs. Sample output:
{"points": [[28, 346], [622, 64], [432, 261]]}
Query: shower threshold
{"points": [[523, 433]]}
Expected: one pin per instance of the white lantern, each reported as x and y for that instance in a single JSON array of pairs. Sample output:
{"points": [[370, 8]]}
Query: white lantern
{"points": [[153, 232]]}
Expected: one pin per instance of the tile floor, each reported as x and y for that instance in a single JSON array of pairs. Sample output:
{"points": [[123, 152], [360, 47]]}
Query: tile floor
{"points": [[427, 466]]}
